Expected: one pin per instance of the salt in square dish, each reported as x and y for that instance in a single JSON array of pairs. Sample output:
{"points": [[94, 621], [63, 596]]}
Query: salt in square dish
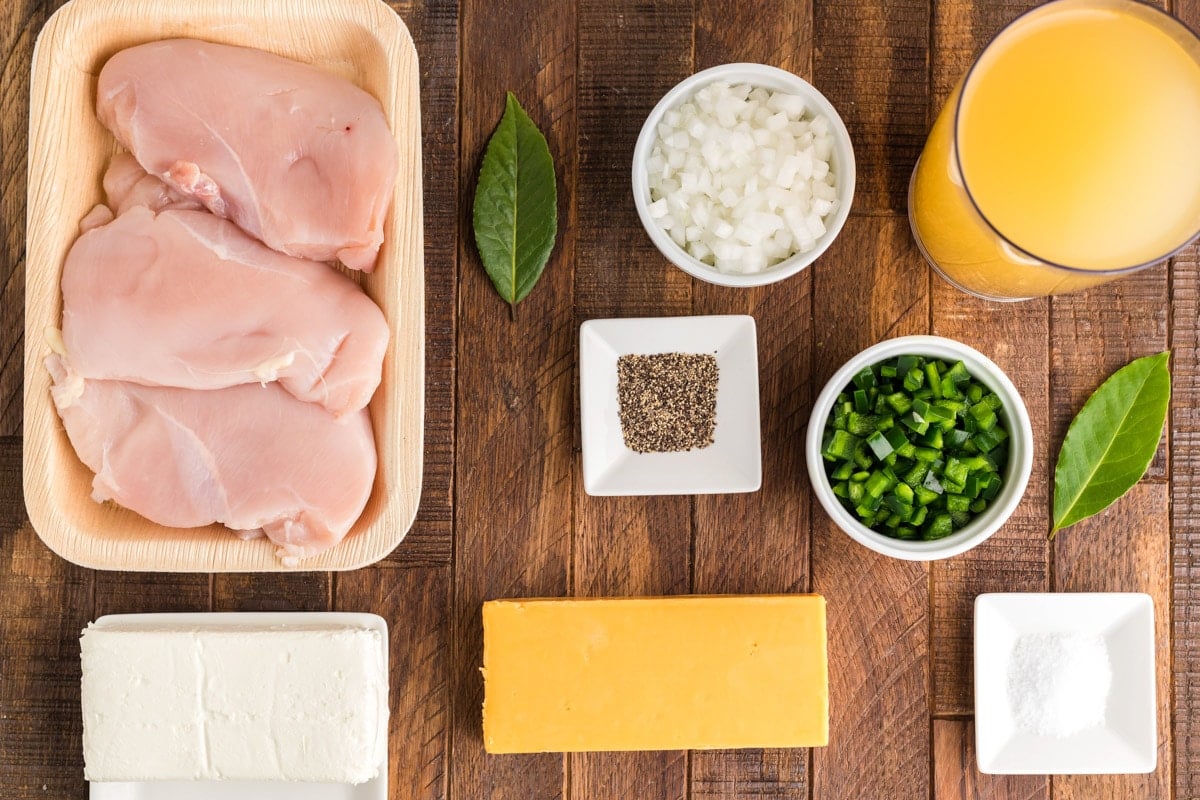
{"points": [[374, 789], [731, 464], [1126, 742]]}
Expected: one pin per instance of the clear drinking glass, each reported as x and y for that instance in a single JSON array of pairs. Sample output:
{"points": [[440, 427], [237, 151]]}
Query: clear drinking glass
{"points": [[1068, 155]]}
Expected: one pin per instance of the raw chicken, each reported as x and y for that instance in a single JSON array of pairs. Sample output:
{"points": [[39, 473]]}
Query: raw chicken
{"points": [[299, 158], [251, 457], [186, 299], [127, 185]]}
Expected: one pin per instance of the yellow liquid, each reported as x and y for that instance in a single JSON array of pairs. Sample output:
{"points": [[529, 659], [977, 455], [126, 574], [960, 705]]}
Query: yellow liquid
{"points": [[1078, 136]]}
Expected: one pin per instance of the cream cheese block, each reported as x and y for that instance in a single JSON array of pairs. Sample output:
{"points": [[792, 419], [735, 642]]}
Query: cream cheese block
{"points": [[228, 702]]}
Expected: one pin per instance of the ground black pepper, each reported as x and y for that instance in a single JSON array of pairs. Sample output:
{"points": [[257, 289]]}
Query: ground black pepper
{"points": [[668, 401]]}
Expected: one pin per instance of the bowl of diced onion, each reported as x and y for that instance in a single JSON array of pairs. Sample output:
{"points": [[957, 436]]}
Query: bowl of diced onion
{"points": [[743, 174]]}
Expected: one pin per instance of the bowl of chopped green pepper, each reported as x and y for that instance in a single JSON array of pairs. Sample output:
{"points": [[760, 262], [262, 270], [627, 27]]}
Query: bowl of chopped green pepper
{"points": [[919, 448]]}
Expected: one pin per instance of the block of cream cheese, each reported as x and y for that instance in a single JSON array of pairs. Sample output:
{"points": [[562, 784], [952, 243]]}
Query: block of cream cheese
{"points": [[229, 699], [655, 673]]}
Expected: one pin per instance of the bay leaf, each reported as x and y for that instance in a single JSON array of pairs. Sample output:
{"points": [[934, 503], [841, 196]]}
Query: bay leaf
{"points": [[1112, 440], [516, 205]]}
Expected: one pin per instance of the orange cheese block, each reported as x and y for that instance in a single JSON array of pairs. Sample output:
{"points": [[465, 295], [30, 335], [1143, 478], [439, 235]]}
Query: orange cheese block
{"points": [[667, 673]]}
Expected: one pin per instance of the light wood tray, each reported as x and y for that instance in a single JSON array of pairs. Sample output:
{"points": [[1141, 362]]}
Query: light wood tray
{"points": [[361, 40]]}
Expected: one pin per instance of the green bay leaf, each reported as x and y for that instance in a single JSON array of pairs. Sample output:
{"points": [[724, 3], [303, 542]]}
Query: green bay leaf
{"points": [[1112, 440], [516, 205]]}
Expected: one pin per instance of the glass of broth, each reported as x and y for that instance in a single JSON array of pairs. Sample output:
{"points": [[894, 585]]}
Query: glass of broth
{"points": [[1068, 155]]}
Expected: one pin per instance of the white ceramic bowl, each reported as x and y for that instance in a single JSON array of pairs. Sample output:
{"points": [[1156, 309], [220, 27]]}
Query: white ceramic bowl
{"points": [[775, 79], [1016, 474]]}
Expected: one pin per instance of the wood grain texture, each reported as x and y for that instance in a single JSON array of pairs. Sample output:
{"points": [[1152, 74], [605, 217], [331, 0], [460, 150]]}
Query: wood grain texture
{"points": [[1127, 549], [46, 603], [18, 30], [1095, 333], [1185, 501], [434, 28], [956, 775], [361, 41], [871, 285], [871, 59], [151, 592], [302, 591], [416, 603], [1016, 336], [503, 511], [1015, 558], [514, 462], [758, 542], [629, 56], [1185, 515]]}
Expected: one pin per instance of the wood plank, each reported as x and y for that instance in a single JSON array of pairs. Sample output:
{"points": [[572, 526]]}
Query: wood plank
{"points": [[1128, 546], [1125, 550], [956, 774], [18, 30], [1015, 558], [1015, 336], [515, 384], [152, 592], [630, 546], [272, 591], [872, 62], [1185, 514], [47, 602], [871, 285], [1097, 332], [629, 56], [434, 28], [1185, 501], [758, 542], [416, 603]]}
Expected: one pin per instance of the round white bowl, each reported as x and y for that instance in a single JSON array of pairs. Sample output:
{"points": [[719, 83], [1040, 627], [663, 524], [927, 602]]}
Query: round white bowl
{"points": [[1016, 473], [775, 79]]}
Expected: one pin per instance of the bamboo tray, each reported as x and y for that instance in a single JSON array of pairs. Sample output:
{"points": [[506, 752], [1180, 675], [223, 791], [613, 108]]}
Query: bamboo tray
{"points": [[361, 40]]}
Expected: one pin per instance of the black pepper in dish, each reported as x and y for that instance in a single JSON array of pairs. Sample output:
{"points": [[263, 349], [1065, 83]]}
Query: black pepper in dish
{"points": [[668, 401]]}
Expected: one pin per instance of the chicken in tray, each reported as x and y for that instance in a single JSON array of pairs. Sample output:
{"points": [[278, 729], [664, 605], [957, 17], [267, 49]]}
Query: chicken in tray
{"points": [[184, 298], [251, 457], [298, 158], [209, 367]]}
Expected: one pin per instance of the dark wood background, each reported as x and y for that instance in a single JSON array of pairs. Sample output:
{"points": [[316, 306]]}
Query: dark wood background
{"points": [[504, 512]]}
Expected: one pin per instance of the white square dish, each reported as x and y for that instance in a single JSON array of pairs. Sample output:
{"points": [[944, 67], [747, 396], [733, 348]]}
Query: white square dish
{"points": [[1126, 741], [375, 789], [732, 463]]}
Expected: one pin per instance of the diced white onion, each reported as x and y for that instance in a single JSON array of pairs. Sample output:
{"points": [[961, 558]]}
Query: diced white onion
{"points": [[740, 176]]}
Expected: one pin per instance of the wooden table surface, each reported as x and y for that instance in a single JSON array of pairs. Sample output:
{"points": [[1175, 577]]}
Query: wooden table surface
{"points": [[504, 513]]}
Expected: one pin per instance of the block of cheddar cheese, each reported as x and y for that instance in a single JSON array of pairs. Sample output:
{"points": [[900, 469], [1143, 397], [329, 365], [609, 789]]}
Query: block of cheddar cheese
{"points": [[662, 673]]}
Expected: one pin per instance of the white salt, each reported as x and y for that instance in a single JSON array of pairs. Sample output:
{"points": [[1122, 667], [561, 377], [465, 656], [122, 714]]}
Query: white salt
{"points": [[1058, 683]]}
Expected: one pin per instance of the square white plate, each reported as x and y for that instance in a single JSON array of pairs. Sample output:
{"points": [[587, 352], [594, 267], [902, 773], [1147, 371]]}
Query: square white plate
{"points": [[1126, 742], [732, 463], [246, 790]]}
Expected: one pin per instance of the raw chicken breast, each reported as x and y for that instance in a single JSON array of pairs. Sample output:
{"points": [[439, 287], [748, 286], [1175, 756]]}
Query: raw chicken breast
{"points": [[251, 457], [299, 158], [127, 185], [186, 299]]}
